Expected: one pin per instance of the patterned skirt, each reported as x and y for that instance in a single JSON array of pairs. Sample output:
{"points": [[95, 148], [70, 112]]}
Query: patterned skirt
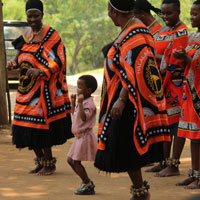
{"points": [[121, 154], [58, 133]]}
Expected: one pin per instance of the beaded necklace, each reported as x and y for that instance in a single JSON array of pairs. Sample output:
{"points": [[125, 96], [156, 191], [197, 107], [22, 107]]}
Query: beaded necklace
{"points": [[35, 34]]}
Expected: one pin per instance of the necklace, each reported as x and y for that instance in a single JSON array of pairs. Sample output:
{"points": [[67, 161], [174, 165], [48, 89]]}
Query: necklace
{"points": [[151, 24], [175, 26], [125, 26], [37, 33]]}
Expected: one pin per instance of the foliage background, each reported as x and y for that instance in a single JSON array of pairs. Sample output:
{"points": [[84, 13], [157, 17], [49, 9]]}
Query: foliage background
{"points": [[83, 26]]}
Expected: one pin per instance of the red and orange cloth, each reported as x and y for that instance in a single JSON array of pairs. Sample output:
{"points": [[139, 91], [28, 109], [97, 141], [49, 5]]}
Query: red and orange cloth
{"points": [[165, 43], [44, 99], [155, 30], [131, 64], [189, 124]]}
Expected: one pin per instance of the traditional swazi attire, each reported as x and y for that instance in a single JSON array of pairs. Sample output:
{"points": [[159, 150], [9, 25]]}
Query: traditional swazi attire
{"points": [[155, 30], [42, 110], [135, 139], [165, 42], [189, 124]]}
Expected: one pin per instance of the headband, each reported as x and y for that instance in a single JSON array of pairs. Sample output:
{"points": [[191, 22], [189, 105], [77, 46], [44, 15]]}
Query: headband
{"points": [[34, 5], [123, 6]]}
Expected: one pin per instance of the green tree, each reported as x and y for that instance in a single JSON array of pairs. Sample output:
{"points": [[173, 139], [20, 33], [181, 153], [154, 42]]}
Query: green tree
{"points": [[83, 26]]}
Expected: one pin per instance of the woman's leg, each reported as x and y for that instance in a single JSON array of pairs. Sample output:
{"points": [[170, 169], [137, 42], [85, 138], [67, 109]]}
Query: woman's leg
{"points": [[191, 178], [173, 169], [49, 163], [162, 165], [38, 160], [138, 184], [195, 153]]}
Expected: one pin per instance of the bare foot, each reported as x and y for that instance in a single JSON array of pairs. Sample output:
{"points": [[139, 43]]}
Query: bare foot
{"points": [[186, 181], [143, 197], [36, 169], [45, 171], [156, 168], [168, 171], [193, 185]]}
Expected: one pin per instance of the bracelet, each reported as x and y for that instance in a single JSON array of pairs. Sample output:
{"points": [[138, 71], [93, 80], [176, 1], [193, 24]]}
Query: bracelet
{"points": [[121, 99]]}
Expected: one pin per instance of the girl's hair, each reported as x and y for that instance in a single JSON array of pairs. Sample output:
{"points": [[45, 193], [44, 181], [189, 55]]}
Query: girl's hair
{"points": [[90, 82], [145, 6], [175, 2], [197, 2]]}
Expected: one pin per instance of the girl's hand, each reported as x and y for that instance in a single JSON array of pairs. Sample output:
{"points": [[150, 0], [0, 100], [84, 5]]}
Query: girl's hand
{"points": [[33, 72], [73, 98], [80, 98], [117, 109], [11, 65]]}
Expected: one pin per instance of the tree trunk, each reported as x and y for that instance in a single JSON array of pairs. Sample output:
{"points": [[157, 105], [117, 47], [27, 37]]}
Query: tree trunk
{"points": [[3, 109]]}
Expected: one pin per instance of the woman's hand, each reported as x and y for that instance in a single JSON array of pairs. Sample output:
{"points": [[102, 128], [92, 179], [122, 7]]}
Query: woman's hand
{"points": [[33, 72], [117, 109], [180, 54], [11, 65]]}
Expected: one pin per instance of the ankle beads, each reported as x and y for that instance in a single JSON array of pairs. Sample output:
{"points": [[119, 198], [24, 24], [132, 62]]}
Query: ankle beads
{"points": [[194, 174], [171, 162], [39, 161], [138, 192], [49, 163]]}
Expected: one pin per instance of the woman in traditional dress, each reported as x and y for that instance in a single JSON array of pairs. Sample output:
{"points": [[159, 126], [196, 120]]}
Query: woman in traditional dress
{"points": [[143, 10], [172, 36], [42, 110], [133, 122], [189, 124]]}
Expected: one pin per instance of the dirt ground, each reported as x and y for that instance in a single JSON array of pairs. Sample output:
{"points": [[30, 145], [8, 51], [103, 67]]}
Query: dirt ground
{"points": [[17, 184]]}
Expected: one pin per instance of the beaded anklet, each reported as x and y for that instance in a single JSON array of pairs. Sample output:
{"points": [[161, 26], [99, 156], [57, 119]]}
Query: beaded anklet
{"points": [[171, 162], [138, 192]]}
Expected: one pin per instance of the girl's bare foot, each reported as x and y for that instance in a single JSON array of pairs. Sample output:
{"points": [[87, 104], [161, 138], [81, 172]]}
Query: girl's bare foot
{"points": [[156, 168], [193, 185], [45, 171], [186, 181], [168, 171]]}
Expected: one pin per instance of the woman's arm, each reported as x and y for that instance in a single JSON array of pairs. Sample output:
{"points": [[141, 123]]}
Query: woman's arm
{"points": [[119, 105]]}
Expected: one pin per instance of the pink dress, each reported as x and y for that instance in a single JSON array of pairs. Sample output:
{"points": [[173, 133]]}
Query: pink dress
{"points": [[84, 147]]}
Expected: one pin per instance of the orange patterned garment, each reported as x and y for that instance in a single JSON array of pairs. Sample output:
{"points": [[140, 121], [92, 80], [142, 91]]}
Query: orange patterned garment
{"points": [[189, 124], [131, 64], [44, 99], [155, 30], [165, 42]]}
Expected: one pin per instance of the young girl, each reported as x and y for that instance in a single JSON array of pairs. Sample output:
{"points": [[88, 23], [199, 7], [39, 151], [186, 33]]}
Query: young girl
{"points": [[85, 144]]}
